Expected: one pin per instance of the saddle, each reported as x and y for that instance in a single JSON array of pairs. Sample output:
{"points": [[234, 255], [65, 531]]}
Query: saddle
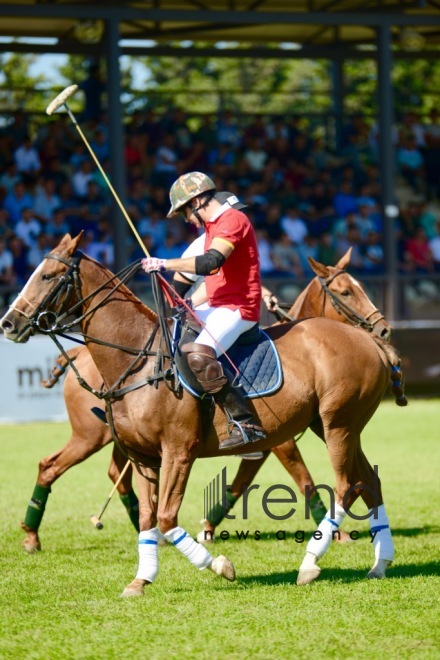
{"points": [[253, 354]]}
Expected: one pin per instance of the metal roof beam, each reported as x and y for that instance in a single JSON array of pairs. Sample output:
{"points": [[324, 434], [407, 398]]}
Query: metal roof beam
{"points": [[372, 19]]}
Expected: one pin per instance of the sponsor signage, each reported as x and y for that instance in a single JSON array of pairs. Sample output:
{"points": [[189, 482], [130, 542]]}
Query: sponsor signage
{"points": [[22, 396]]}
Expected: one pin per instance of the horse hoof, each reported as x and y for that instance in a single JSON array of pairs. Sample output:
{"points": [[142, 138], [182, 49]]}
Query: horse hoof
{"points": [[31, 547], [135, 588], [224, 567], [307, 575], [379, 569], [205, 537]]}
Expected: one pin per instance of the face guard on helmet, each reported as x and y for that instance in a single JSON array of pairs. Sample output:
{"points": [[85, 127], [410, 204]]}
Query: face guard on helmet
{"points": [[186, 188]]}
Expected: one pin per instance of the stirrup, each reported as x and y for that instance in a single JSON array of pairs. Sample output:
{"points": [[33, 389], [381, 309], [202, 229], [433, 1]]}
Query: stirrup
{"points": [[248, 433]]}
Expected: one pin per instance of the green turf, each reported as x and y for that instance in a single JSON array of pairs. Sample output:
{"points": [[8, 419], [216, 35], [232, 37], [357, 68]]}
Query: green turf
{"points": [[64, 602]]}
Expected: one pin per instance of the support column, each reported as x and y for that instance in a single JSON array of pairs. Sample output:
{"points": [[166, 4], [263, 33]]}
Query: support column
{"points": [[117, 174], [337, 77], [387, 170]]}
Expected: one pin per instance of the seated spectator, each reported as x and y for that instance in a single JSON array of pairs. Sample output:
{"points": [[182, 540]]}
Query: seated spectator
{"points": [[267, 266], [228, 131], [256, 156], [411, 164], [294, 226], [138, 199], [308, 248], [100, 145], [7, 276], [9, 177], [171, 247], [38, 251], [19, 254], [17, 200], [101, 250], [6, 230], [81, 178], [46, 201], [153, 225], [28, 228], [344, 200], [165, 170], [374, 258], [27, 160], [286, 258], [327, 253], [418, 256], [57, 227]]}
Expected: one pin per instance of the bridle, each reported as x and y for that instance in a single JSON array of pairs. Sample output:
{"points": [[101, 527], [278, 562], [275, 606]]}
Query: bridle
{"points": [[345, 310], [54, 322], [341, 307]]}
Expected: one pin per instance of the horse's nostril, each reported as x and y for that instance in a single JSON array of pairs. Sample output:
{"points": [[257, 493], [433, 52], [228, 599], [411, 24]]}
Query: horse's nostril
{"points": [[7, 325]]}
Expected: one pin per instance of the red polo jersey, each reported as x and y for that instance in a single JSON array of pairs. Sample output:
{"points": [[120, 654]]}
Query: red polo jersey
{"points": [[237, 285]]}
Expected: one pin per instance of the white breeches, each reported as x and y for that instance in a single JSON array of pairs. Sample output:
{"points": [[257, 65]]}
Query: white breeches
{"points": [[223, 327]]}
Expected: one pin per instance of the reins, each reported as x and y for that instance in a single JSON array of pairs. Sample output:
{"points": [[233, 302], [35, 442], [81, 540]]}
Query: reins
{"points": [[68, 282], [345, 310], [339, 305]]}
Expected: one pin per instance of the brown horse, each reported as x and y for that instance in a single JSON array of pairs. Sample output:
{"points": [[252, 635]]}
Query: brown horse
{"points": [[89, 435], [334, 392], [333, 294]]}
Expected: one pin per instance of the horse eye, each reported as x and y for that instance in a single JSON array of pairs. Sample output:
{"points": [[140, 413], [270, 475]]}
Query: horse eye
{"points": [[346, 293], [47, 277]]}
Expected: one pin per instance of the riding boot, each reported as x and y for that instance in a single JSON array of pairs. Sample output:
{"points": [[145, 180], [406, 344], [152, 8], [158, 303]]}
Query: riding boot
{"points": [[242, 426]]}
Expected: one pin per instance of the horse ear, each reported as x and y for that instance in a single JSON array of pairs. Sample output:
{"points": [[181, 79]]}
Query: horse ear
{"points": [[318, 268], [68, 245], [344, 261]]}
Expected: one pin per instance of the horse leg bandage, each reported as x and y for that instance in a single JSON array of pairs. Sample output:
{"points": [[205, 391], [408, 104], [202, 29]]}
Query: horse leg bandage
{"points": [[36, 507], [131, 503], [327, 526], [195, 552], [381, 534], [148, 555]]}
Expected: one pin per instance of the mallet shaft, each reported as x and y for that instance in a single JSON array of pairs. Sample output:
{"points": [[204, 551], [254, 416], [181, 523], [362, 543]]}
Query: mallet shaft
{"points": [[96, 520]]}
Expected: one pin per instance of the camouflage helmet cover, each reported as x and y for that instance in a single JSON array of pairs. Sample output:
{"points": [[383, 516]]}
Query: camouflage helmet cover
{"points": [[186, 188]]}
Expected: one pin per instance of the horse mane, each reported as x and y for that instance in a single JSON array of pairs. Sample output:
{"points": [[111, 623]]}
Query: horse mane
{"points": [[297, 306], [143, 308]]}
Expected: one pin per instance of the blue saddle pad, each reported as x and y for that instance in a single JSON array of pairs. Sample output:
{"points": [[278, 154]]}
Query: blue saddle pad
{"points": [[259, 366]]}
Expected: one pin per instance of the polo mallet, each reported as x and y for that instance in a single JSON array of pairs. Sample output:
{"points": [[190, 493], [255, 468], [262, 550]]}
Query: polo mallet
{"points": [[61, 100], [96, 520]]}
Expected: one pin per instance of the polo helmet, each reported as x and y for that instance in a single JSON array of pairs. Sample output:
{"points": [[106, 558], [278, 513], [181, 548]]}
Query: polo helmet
{"points": [[186, 187]]}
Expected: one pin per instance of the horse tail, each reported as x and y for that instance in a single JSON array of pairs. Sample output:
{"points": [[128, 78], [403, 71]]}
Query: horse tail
{"points": [[397, 381], [61, 363]]}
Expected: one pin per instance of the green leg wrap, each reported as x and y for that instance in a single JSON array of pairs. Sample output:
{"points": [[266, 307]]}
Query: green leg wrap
{"points": [[37, 504], [317, 508], [218, 511], [131, 503]]}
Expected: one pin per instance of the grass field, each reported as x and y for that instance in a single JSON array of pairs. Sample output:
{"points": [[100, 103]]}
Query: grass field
{"points": [[64, 602]]}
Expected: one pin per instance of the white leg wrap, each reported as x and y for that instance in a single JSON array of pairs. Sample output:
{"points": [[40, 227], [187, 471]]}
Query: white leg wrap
{"points": [[381, 533], [195, 552], [327, 526], [148, 555]]}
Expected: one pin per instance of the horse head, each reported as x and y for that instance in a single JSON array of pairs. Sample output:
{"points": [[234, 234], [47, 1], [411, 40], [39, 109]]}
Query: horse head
{"points": [[344, 298], [46, 294]]}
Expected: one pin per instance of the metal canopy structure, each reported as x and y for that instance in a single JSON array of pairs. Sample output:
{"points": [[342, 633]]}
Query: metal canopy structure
{"points": [[300, 29], [325, 23]]}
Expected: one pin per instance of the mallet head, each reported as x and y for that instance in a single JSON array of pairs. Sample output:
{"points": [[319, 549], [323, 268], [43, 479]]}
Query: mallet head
{"points": [[61, 99], [96, 522]]}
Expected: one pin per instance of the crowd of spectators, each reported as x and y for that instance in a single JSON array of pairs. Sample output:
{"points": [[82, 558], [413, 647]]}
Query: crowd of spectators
{"points": [[303, 198]]}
